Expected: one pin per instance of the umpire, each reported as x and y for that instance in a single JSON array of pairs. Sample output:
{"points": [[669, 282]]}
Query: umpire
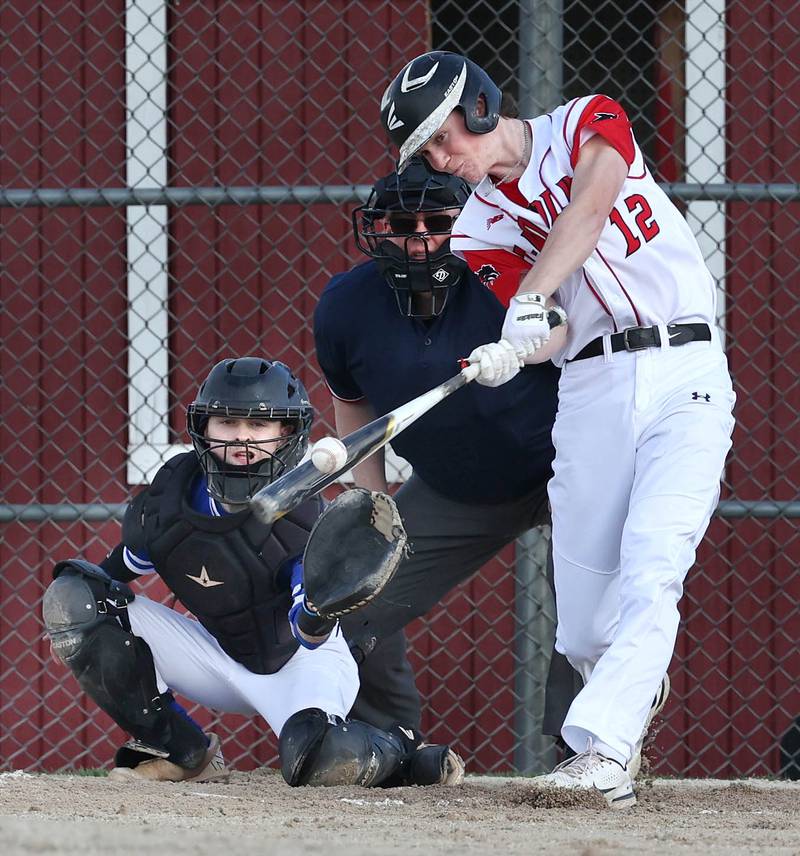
{"points": [[387, 331]]}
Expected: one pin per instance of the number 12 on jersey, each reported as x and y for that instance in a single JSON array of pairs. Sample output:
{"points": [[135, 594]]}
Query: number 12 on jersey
{"points": [[643, 217]]}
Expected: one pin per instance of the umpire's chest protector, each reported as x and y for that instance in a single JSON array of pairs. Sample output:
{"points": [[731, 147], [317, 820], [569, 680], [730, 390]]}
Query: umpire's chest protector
{"points": [[223, 569]]}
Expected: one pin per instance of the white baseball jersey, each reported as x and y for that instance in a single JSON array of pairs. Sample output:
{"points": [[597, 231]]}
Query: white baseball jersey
{"points": [[647, 267]]}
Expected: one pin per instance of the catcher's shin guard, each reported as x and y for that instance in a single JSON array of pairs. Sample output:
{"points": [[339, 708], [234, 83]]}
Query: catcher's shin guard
{"points": [[114, 667], [425, 763], [317, 749]]}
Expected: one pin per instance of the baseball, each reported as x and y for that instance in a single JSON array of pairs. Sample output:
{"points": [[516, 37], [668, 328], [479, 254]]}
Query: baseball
{"points": [[329, 455]]}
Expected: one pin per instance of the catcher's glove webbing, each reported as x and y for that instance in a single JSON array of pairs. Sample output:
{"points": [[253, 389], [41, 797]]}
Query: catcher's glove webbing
{"points": [[352, 552]]}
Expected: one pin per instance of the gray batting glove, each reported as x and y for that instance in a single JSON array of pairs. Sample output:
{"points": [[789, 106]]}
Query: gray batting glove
{"points": [[526, 326], [498, 363]]}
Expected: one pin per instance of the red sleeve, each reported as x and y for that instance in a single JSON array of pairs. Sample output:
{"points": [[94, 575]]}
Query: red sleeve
{"points": [[499, 270], [604, 116]]}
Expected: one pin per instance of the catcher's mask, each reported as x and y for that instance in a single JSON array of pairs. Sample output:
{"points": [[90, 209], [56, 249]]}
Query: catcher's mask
{"points": [[414, 206], [419, 100], [249, 388]]}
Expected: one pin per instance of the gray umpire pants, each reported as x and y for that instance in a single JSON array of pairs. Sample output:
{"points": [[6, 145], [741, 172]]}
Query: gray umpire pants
{"points": [[449, 542]]}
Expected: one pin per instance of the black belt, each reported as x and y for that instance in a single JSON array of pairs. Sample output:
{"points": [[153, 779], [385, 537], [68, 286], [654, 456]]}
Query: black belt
{"points": [[639, 338]]}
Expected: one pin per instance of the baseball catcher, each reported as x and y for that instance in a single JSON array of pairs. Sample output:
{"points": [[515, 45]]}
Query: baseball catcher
{"points": [[265, 638]]}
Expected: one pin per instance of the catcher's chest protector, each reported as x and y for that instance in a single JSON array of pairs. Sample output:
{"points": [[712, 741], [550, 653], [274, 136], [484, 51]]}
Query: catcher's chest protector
{"points": [[223, 569]]}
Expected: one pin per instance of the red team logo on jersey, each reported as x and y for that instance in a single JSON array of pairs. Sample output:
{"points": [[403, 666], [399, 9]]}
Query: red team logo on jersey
{"points": [[492, 220], [487, 274]]}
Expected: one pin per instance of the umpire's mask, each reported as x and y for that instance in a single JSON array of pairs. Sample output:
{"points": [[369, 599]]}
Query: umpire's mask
{"points": [[396, 227]]}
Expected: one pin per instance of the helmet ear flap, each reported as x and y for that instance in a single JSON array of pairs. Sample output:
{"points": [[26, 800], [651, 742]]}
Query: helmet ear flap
{"points": [[481, 122]]}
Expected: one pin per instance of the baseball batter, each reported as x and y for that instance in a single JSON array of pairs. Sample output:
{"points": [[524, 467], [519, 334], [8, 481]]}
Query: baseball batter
{"points": [[254, 647], [565, 210], [389, 330]]}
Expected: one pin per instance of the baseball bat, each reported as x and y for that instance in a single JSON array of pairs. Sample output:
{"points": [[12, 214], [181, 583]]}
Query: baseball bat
{"points": [[304, 481]]}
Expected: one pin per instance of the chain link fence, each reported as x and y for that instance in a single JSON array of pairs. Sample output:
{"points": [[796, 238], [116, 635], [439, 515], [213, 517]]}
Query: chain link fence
{"points": [[175, 187]]}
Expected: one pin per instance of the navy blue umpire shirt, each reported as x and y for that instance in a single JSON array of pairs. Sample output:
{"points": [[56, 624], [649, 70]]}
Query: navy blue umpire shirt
{"points": [[480, 445]]}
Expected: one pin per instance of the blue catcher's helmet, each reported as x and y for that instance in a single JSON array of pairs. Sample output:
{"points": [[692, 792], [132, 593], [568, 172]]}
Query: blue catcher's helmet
{"points": [[249, 388]]}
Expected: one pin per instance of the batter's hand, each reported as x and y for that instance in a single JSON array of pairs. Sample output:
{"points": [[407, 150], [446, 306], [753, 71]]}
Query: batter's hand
{"points": [[526, 326], [498, 363]]}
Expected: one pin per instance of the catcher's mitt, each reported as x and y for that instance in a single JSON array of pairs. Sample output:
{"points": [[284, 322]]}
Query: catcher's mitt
{"points": [[352, 552]]}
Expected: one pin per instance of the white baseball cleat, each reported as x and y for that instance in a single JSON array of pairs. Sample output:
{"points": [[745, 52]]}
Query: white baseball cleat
{"points": [[590, 770], [635, 764], [161, 770]]}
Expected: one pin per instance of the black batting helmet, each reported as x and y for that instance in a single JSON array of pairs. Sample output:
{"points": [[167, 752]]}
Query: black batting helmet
{"points": [[249, 388], [439, 197], [419, 100]]}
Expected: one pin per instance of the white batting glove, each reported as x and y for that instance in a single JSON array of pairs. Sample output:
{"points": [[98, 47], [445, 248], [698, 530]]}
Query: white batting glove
{"points": [[498, 363], [526, 326]]}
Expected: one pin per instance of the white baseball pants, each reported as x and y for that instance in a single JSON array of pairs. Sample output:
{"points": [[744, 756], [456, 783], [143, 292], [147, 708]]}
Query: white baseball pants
{"points": [[190, 661], [641, 440]]}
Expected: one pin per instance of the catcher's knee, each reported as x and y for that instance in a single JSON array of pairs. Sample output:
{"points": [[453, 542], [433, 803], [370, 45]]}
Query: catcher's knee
{"points": [[112, 665], [316, 749], [84, 611], [81, 599]]}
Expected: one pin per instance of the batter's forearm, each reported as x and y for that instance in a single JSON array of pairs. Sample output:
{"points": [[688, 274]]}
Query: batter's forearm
{"points": [[571, 241], [599, 177]]}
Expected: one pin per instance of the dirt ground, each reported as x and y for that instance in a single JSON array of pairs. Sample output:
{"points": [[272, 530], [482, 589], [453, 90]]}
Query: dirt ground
{"points": [[256, 813]]}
